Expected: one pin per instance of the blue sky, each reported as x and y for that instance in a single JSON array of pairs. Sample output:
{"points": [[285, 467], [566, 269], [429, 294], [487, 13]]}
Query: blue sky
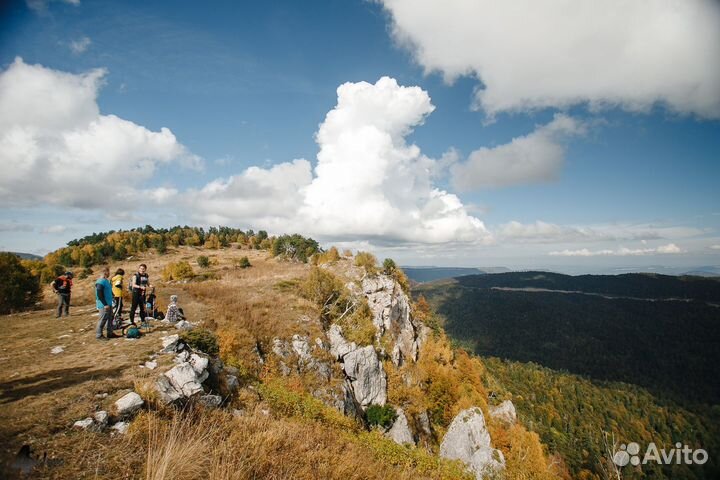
{"points": [[629, 176]]}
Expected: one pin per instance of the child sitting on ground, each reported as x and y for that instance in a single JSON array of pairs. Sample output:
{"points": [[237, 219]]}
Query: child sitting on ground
{"points": [[174, 313]]}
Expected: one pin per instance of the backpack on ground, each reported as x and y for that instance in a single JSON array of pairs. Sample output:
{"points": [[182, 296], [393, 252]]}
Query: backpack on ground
{"points": [[133, 332]]}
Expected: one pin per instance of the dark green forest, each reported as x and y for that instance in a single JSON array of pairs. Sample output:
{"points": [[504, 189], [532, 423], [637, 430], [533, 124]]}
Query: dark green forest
{"points": [[571, 413], [639, 285], [564, 355]]}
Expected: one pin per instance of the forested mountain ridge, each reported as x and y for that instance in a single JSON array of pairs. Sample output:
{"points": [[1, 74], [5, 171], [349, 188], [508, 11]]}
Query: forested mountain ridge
{"points": [[636, 285], [657, 334]]}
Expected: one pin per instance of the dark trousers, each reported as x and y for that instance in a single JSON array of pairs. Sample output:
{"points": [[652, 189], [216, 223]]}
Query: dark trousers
{"points": [[117, 307], [138, 300], [63, 300]]}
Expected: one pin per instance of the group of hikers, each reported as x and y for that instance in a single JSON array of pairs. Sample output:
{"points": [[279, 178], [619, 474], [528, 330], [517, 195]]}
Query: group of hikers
{"points": [[109, 301]]}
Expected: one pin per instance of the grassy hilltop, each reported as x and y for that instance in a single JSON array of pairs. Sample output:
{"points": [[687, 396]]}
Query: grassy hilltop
{"points": [[275, 425]]}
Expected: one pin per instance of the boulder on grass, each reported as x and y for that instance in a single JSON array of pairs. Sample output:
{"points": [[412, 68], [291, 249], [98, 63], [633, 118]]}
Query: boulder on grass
{"points": [[128, 405]]}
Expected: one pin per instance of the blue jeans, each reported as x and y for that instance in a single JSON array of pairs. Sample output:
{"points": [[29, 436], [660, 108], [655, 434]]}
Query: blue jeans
{"points": [[105, 315]]}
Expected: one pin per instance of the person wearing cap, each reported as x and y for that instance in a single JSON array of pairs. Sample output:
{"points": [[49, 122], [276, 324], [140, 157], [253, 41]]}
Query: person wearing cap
{"points": [[174, 313], [62, 287]]}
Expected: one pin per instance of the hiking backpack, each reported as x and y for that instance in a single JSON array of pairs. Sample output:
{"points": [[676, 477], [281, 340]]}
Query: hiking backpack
{"points": [[133, 332]]}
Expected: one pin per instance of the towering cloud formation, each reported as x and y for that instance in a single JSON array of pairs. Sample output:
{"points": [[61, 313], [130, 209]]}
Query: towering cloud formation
{"points": [[529, 54], [368, 183], [56, 147]]}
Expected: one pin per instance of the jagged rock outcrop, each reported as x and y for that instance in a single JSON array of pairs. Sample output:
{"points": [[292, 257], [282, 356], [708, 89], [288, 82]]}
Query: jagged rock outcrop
{"points": [[390, 307], [185, 379], [166, 390], [400, 431], [362, 368], [300, 347], [367, 376], [339, 347], [468, 440], [171, 343], [424, 428], [505, 412]]}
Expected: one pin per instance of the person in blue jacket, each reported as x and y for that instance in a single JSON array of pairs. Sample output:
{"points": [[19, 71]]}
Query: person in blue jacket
{"points": [[103, 301]]}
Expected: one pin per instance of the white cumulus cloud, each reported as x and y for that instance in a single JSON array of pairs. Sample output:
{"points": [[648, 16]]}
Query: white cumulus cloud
{"points": [[258, 196], [57, 148], [368, 183], [529, 54], [535, 157]]}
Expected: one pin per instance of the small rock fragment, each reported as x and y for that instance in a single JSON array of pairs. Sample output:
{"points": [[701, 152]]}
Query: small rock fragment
{"points": [[120, 428], [211, 401], [83, 424]]}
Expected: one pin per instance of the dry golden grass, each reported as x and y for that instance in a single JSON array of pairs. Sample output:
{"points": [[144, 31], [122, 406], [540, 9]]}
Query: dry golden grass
{"points": [[41, 395], [176, 449], [216, 445]]}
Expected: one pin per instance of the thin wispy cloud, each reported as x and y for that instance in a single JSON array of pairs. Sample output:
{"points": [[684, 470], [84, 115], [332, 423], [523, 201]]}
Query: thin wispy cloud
{"points": [[54, 229], [80, 46], [670, 248], [41, 6], [16, 227], [545, 232]]}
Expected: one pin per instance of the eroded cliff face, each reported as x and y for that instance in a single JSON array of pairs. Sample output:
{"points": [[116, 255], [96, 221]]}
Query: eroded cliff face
{"points": [[364, 380], [392, 316]]}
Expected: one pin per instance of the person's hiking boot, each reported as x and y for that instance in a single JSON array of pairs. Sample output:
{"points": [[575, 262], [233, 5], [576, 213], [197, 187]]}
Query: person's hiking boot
{"points": [[100, 338]]}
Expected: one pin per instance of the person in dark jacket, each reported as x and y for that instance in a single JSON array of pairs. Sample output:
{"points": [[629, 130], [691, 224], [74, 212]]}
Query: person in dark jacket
{"points": [[103, 302], [139, 283], [62, 287]]}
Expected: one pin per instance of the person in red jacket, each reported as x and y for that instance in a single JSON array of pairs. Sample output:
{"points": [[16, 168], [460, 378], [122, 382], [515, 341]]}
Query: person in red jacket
{"points": [[62, 287]]}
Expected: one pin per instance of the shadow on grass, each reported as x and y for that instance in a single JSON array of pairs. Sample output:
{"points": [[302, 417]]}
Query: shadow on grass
{"points": [[50, 381]]}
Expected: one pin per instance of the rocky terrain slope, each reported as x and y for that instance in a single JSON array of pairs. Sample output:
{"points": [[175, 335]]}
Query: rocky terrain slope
{"points": [[286, 370]]}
